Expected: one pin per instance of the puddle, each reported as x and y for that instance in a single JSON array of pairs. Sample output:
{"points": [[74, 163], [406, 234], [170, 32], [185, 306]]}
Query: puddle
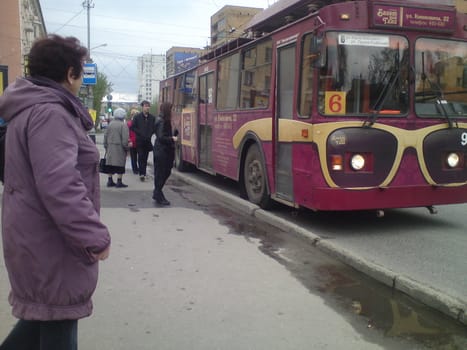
{"points": [[369, 305]]}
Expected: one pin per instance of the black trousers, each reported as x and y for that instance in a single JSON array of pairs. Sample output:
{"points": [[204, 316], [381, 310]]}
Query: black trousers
{"points": [[163, 163], [42, 335], [143, 153], [134, 159]]}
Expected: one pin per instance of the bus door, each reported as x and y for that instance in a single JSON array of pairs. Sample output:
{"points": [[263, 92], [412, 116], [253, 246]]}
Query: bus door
{"points": [[206, 93], [284, 110]]}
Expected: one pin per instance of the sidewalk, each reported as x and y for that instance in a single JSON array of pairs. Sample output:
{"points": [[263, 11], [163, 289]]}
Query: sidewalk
{"points": [[450, 306]]}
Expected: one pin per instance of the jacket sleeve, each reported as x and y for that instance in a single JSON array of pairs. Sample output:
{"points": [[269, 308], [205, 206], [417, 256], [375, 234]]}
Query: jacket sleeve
{"points": [[125, 136], [53, 144], [163, 133], [105, 138], [136, 126]]}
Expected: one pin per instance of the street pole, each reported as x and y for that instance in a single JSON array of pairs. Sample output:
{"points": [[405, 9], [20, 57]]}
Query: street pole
{"points": [[88, 4]]}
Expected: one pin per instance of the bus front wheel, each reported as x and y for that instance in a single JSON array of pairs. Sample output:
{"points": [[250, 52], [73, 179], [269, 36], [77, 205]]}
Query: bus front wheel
{"points": [[254, 173]]}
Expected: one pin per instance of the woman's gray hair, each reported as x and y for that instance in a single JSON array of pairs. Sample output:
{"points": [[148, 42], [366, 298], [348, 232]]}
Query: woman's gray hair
{"points": [[119, 113]]}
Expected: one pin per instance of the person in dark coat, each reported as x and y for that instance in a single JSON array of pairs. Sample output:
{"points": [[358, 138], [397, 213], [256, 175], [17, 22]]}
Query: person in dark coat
{"points": [[53, 237], [164, 152], [116, 147], [143, 126]]}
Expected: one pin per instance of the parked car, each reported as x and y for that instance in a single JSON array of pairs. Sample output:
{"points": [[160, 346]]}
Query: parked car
{"points": [[103, 122]]}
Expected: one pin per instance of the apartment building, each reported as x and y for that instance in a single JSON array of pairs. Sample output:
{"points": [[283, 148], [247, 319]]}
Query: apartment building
{"points": [[461, 5], [229, 23], [151, 70], [21, 22]]}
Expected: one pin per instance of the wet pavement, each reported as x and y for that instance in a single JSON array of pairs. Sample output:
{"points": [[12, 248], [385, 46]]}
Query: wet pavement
{"points": [[202, 275], [371, 307], [364, 302], [408, 250]]}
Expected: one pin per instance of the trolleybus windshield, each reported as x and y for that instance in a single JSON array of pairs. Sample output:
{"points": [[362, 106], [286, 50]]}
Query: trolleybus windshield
{"points": [[440, 78], [357, 70]]}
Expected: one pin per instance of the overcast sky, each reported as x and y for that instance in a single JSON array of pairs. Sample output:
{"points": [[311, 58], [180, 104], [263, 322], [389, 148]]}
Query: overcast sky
{"points": [[131, 28]]}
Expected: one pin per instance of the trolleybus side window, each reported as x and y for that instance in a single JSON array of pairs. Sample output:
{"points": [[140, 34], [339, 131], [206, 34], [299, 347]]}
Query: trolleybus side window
{"points": [[440, 78], [206, 83], [189, 88], [363, 74], [166, 97], [177, 94], [228, 82], [306, 79], [256, 76], [185, 90]]}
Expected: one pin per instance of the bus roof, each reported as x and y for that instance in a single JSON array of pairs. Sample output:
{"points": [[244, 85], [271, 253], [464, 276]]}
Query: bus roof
{"points": [[278, 13], [230, 45], [286, 11]]}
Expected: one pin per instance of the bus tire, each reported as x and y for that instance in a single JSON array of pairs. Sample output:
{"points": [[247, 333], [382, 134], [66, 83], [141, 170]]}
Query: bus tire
{"points": [[180, 164], [254, 178]]}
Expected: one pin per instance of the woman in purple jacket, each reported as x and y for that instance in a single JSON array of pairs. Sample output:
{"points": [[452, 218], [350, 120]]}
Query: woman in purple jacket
{"points": [[52, 234]]}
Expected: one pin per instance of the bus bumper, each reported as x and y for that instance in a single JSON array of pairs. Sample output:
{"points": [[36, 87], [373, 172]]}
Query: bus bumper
{"points": [[385, 198]]}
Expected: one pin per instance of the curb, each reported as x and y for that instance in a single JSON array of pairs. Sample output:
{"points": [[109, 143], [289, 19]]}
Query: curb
{"points": [[450, 306]]}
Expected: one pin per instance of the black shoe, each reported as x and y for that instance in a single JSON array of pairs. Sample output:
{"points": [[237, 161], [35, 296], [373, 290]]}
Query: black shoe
{"points": [[142, 178], [162, 201], [120, 184], [111, 183]]}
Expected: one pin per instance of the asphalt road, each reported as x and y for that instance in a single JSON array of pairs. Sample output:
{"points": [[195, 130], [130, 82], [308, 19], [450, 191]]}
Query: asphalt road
{"points": [[420, 254]]}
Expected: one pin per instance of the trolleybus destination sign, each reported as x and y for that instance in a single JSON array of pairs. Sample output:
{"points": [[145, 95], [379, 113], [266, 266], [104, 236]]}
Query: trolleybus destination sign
{"points": [[409, 17]]}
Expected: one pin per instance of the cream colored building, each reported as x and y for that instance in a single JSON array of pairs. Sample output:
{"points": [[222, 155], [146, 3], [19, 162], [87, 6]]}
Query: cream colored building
{"points": [[461, 5], [229, 23], [21, 22]]}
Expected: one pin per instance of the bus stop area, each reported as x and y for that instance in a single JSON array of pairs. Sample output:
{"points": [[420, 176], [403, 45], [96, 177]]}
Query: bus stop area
{"points": [[160, 286]]}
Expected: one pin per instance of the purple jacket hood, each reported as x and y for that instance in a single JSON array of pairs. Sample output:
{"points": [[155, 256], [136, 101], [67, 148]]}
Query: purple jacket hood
{"points": [[27, 92]]}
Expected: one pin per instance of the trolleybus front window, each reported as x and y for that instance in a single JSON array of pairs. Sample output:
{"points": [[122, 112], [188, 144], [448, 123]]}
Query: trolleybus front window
{"points": [[440, 78], [358, 70]]}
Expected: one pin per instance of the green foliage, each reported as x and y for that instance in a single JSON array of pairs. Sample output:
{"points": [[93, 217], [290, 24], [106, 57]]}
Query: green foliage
{"points": [[154, 110], [101, 89]]}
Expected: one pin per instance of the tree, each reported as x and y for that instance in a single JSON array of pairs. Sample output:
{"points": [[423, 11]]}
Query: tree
{"points": [[101, 89], [154, 110]]}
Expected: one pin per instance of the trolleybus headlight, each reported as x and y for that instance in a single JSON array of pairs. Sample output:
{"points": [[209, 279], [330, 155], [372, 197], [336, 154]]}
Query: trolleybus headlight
{"points": [[357, 162], [453, 160]]}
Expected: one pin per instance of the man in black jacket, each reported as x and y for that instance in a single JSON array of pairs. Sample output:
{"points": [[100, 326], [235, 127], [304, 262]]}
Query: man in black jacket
{"points": [[143, 126]]}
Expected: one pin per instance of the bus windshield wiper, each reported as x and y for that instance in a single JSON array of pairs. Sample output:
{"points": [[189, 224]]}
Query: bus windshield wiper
{"points": [[381, 100], [436, 88]]}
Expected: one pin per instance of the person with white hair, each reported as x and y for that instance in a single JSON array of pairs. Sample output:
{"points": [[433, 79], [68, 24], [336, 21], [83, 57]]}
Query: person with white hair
{"points": [[116, 147]]}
